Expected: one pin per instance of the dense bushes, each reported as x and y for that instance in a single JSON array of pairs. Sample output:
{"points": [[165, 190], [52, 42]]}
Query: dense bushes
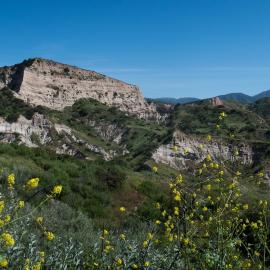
{"points": [[113, 176], [11, 107], [206, 220]]}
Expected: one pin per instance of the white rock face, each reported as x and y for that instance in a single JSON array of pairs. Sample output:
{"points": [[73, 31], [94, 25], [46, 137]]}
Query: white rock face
{"points": [[39, 129], [55, 85], [24, 129], [192, 149], [107, 131]]}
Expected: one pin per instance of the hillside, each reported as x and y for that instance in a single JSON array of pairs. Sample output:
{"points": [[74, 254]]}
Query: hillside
{"points": [[113, 179], [89, 129]]}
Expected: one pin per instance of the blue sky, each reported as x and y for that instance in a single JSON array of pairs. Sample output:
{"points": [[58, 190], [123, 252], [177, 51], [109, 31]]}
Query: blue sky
{"points": [[171, 48]]}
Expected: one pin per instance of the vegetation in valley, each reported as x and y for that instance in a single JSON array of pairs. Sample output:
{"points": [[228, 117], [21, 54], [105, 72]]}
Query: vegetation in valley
{"points": [[204, 219], [130, 213]]}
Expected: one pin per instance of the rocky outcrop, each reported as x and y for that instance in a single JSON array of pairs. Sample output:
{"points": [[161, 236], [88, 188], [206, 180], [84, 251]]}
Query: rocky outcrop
{"points": [[192, 149], [108, 132], [216, 101], [55, 85], [72, 140], [27, 132], [39, 131]]}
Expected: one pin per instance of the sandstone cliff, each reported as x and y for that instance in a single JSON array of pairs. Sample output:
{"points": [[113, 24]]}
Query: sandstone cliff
{"points": [[55, 85], [192, 149]]}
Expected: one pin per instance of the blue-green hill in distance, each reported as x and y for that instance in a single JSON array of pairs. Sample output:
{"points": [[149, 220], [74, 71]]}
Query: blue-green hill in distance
{"points": [[239, 97]]}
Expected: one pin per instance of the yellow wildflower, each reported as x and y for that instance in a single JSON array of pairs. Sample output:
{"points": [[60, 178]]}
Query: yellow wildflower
{"points": [[232, 186], [11, 180], [57, 190], [238, 173], [177, 197], [122, 236], [37, 266], [2, 206], [2, 223], [179, 179], [254, 225], [146, 264], [119, 261], [42, 256], [222, 115], [7, 218], [8, 239], [32, 183], [185, 241], [145, 243], [135, 266], [155, 169], [39, 220], [122, 209], [108, 248], [50, 236], [186, 151], [201, 146], [4, 263], [27, 264], [21, 204]]}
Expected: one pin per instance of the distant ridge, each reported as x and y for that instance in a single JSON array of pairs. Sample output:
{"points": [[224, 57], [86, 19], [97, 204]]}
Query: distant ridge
{"points": [[238, 97], [169, 100]]}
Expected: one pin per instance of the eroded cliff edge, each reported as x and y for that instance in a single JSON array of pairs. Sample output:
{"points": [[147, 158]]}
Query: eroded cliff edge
{"points": [[56, 86]]}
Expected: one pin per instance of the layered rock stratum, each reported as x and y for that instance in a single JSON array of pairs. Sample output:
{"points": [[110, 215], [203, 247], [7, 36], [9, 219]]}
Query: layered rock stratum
{"points": [[193, 149], [56, 86]]}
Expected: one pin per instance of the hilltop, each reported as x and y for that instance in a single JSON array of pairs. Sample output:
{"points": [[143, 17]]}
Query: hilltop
{"points": [[56, 86]]}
